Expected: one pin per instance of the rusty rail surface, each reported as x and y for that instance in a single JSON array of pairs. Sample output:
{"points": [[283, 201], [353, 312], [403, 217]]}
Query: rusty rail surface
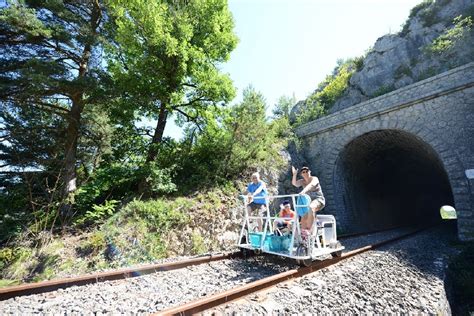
{"points": [[206, 303], [52, 285]]}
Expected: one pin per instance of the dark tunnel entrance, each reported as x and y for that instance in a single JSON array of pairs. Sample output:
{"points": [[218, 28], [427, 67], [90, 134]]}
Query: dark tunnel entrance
{"points": [[388, 178]]}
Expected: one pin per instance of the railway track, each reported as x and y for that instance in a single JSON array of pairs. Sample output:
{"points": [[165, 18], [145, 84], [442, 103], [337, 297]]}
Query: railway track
{"points": [[48, 286], [209, 302]]}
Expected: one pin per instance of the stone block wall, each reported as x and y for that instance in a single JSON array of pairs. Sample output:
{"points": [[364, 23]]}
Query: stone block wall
{"points": [[438, 112]]}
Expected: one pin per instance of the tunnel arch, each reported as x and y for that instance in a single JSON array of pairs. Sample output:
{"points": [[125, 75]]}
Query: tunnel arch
{"points": [[389, 177]]}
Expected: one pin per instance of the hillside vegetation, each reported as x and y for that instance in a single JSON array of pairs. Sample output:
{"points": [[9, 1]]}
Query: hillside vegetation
{"points": [[85, 183]]}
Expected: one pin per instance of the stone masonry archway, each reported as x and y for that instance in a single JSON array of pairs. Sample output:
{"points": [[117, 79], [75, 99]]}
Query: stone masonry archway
{"points": [[399, 156], [390, 177]]}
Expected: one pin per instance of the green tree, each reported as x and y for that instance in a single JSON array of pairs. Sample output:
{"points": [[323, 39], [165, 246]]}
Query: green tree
{"points": [[167, 58], [50, 60], [283, 106], [247, 124], [232, 141], [30, 140], [328, 91]]}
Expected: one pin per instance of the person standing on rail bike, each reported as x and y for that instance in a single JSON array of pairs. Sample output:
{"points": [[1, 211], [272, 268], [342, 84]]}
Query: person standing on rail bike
{"points": [[256, 197], [311, 187]]}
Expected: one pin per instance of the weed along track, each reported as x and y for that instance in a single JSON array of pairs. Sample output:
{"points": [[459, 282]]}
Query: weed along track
{"points": [[174, 284]]}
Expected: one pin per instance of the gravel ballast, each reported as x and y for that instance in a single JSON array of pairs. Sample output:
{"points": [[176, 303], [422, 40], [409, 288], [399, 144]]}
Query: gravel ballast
{"points": [[406, 277], [401, 278]]}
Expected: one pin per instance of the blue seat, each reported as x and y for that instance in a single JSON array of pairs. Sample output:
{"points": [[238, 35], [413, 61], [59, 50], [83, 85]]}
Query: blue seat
{"points": [[302, 205]]}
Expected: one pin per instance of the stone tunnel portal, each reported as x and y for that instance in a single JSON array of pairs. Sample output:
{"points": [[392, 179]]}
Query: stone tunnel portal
{"points": [[391, 177]]}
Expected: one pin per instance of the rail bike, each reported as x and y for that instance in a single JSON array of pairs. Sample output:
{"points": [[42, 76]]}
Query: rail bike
{"points": [[261, 233]]}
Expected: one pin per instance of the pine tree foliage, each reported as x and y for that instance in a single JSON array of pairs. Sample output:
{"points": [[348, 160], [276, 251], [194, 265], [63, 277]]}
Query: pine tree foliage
{"points": [[78, 77], [50, 61]]}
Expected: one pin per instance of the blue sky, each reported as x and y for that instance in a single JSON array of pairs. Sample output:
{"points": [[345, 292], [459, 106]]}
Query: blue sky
{"points": [[288, 46]]}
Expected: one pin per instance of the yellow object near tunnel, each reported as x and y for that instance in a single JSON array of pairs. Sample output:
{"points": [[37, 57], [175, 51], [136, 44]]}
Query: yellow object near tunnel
{"points": [[448, 212]]}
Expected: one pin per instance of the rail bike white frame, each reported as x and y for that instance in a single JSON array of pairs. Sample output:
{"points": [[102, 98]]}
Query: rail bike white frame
{"points": [[324, 229]]}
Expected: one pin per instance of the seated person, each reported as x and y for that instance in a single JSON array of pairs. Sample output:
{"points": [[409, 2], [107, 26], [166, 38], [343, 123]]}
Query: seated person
{"points": [[286, 212]]}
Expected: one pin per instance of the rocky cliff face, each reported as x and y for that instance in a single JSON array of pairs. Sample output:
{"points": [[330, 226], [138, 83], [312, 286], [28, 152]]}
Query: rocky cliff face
{"points": [[430, 42]]}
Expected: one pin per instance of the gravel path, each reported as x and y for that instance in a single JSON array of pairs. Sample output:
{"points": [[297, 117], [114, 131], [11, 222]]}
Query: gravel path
{"points": [[399, 279]]}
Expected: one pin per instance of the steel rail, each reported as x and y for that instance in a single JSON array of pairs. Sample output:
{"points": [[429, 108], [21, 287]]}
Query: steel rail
{"points": [[206, 303], [52, 285]]}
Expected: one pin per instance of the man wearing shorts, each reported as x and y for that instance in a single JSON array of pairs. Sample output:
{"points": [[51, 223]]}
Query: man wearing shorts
{"points": [[257, 192]]}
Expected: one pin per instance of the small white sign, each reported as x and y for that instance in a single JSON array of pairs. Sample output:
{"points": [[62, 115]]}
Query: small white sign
{"points": [[470, 173]]}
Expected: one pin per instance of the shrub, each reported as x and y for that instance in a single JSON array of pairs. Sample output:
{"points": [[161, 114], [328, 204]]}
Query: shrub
{"points": [[135, 233], [93, 245], [119, 181], [6, 256], [9, 255], [44, 269], [443, 44], [198, 246], [161, 215], [318, 104], [429, 16], [359, 62], [19, 263], [310, 113], [403, 70], [383, 90], [419, 7], [98, 213], [20, 206], [429, 72], [405, 29]]}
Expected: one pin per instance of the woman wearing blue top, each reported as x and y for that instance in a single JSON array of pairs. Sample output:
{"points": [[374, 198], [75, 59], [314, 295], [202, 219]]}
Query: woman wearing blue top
{"points": [[257, 192]]}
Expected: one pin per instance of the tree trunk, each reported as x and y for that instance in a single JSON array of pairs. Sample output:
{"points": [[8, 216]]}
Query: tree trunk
{"points": [[158, 136], [143, 186], [72, 135], [74, 115]]}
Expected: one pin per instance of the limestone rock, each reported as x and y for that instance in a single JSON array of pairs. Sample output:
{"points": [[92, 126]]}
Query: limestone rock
{"points": [[397, 60]]}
